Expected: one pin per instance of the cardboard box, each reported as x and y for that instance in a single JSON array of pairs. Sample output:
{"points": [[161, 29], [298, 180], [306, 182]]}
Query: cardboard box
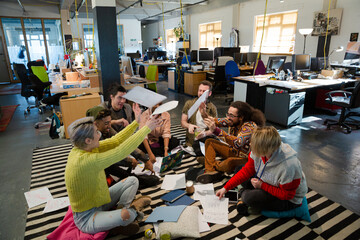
{"points": [[332, 73]]}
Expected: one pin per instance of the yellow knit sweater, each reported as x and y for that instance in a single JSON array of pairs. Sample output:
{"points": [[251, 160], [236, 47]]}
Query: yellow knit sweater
{"points": [[84, 174]]}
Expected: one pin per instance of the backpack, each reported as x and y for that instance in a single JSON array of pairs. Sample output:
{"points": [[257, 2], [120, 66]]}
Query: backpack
{"points": [[54, 127]]}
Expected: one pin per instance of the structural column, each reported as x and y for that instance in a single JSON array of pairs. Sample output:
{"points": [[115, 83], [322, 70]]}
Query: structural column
{"points": [[106, 43]]}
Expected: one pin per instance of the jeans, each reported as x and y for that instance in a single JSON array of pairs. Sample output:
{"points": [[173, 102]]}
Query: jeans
{"points": [[258, 198], [101, 218], [214, 147]]}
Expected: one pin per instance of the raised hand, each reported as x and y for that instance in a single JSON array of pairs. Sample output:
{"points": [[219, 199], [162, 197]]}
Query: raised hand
{"points": [[137, 111], [210, 123]]}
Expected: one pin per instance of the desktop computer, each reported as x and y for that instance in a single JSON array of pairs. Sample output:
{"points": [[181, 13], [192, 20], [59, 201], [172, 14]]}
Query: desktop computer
{"points": [[206, 56], [301, 64], [251, 57], [275, 63]]}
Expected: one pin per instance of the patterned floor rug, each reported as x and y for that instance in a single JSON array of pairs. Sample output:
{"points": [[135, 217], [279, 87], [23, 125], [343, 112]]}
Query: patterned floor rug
{"points": [[329, 219], [6, 115], [14, 88]]}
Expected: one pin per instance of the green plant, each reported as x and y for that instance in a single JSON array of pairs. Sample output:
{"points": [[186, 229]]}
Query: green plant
{"points": [[177, 30]]}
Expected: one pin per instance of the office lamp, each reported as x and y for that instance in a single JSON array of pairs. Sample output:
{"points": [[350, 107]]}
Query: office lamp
{"points": [[305, 32], [338, 49], [217, 37]]}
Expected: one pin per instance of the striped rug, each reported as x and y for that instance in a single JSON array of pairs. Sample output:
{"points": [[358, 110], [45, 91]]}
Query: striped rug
{"points": [[329, 219]]}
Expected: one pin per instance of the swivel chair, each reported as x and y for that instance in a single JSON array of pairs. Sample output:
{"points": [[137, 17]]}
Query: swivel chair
{"points": [[26, 86], [218, 77], [231, 70], [348, 100], [152, 74]]}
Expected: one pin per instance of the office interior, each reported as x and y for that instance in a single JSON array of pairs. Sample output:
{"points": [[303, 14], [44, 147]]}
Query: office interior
{"points": [[330, 158]]}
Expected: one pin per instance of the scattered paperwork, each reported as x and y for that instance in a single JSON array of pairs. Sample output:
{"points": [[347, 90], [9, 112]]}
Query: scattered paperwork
{"points": [[56, 204], [165, 214], [202, 190], [37, 197], [172, 182], [166, 107], [144, 97], [215, 210], [196, 105]]}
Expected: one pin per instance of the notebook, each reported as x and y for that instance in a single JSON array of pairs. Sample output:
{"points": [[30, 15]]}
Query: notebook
{"points": [[171, 161]]}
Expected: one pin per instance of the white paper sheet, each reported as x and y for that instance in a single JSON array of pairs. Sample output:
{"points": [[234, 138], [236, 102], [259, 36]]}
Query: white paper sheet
{"points": [[56, 204], [202, 147], [196, 105], [215, 210], [203, 226], [144, 97], [38, 196], [157, 164], [201, 190], [166, 107], [139, 169], [172, 182]]}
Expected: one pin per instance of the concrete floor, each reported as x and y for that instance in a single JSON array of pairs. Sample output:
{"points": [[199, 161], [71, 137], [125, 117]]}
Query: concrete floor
{"points": [[330, 158]]}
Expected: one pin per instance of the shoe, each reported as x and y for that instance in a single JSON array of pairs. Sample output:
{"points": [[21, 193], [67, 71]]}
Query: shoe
{"points": [[209, 177], [242, 208], [141, 202], [127, 230], [201, 160], [146, 181]]}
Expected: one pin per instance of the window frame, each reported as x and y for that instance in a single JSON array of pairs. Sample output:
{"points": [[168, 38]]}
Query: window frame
{"points": [[215, 43], [282, 27]]}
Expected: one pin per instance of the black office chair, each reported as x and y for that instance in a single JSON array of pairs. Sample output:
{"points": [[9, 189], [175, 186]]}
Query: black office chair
{"points": [[26, 86], [34, 63], [349, 100], [218, 77]]}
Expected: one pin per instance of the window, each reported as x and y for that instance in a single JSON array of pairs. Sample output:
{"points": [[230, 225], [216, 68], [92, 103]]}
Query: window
{"points": [[171, 40], [206, 35], [88, 37], [279, 33]]}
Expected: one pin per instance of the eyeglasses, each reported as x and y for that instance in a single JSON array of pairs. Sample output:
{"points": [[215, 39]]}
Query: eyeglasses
{"points": [[229, 115]]}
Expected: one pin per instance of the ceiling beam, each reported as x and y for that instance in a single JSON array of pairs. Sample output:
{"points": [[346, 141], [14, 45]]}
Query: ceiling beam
{"points": [[132, 5], [66, 4]]}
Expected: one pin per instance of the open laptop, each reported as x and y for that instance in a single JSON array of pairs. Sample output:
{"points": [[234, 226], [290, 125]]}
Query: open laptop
{"points": [[171, 161]]}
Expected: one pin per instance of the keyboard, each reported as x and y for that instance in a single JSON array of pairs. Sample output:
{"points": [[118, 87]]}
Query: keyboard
{"points": [[137, 80]]}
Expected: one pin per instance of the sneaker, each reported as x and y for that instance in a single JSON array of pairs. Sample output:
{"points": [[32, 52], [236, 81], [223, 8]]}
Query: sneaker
{"points": [[141, 202], [127, 230], [242, 208], [209, 177], [201, 160]]}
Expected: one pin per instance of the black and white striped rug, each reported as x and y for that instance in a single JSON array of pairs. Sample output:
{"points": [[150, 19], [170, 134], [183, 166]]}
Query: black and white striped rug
{"points": [[329, 219]]}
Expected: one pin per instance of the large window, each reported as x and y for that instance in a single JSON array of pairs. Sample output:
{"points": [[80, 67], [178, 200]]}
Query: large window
{"points": [[35, 39], [207, 33], [54, 40], [279, 33], [171, 40], [88, 37]]}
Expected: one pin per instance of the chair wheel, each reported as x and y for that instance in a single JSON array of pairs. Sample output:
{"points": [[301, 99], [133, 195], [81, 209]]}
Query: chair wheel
{"points": [[41, 111], [25, 112], [325, 122], [348, 130], [36, 126], [328, 127]]}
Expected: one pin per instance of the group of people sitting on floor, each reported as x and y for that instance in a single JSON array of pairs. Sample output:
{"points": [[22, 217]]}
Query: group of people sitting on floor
{"points": [[116, 135]]}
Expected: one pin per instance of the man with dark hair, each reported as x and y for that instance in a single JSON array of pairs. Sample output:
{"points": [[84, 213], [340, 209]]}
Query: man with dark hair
{"points": [[196, 120], [102, 120], [121, 112], [241, 120]]}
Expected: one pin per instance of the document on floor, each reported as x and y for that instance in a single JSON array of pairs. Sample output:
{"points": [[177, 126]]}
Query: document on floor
{"points": [[196, 105], [166, 214], [56, 204], [144, 97], [202, 190], [172, 182], [215, 210], [37, 197]]}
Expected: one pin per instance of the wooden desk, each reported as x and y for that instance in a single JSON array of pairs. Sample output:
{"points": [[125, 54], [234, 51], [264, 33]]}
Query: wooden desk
{"points": [[54, 88], [157, 63], [284, 107], [75, 108]]}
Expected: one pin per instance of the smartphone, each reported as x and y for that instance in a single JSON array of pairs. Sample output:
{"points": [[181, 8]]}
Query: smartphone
{"points": [[232, 195]]}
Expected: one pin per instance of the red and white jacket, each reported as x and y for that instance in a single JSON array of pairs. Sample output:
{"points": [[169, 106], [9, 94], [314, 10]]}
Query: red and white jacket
{"points": [[282, 174]]}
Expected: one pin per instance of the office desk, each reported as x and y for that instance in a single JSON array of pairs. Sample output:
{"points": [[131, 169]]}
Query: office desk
{"points": [[56, 88], [128, 85], [192, 81], [281, 101], [157, 63], [75, 108]]}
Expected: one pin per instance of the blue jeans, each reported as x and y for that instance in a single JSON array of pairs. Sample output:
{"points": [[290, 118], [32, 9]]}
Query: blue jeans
{"points": [[101, 218]]}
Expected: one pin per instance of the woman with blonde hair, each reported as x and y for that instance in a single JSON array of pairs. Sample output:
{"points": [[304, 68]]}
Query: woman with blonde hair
{"points": [[272, 179], [90, 198]]}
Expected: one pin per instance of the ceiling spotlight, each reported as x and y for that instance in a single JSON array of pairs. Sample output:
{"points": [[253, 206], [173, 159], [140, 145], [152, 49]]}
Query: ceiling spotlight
{"points": [[281, 1]]}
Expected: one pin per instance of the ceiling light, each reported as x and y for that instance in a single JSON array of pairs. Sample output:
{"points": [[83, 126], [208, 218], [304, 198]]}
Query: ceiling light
{"points": [[281, 1]]}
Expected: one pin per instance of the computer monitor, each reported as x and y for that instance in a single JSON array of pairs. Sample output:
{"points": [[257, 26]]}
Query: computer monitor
{"points": [[301, 62], [275, 63], [251, 57], [205, 56], [230, 51], [193, 55], [351, 56], [218, 51], [237, 57], [204, 48], [161, 55], [321, 63], [151, 54], [126, 66], [134, 55]]}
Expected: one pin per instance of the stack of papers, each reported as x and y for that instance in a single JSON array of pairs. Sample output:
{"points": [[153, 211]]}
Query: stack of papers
{"points": [[215, 210]]}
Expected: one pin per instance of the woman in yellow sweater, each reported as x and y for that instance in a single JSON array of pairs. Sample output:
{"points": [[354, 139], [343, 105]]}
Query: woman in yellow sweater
{"points": [[90, 198]]}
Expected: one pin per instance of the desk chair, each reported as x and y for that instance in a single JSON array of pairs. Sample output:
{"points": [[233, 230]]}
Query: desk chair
{"points": [[152, 74], [231, 70], [26, 86], [261, 69], [218, 77], [349, 100]]}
